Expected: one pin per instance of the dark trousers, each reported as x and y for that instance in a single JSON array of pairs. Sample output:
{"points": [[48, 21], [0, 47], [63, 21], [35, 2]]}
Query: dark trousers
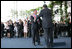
{"points": [[55, 33], [35, 36], [29, 32], [48, 35], [69, 30], [11, 34], [2, 33], [20, 33]]}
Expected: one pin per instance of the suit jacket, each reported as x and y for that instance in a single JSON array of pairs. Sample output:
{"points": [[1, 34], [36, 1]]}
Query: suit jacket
{"points": [[46, 15], [34, 25]]}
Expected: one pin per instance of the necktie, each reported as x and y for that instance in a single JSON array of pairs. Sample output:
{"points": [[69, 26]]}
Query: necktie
{"points": [[35, 17]]}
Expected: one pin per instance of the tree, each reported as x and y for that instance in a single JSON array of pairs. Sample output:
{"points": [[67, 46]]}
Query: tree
{"points": [[51, 5], [65, 4], [22, 13], [14, 13], [61, 11], [66, 14]]}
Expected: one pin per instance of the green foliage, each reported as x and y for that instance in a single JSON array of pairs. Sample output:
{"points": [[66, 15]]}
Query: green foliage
{"points": [[61, 11], [22, 13], [14, 13], [66, 8], [51, 5]]}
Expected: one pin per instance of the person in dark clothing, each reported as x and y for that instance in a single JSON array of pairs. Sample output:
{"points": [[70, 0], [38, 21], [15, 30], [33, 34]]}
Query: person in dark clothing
{"points": [[47, 25], [40, 26], [2, 29], [29, 28], [11, 28], [69, 25], [34, 28], [7, 28], [55, 30], [20, 26]]}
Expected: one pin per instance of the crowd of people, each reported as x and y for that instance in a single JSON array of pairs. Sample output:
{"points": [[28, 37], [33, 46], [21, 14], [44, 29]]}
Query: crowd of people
{"points": [[35, 27], [16, 29]]}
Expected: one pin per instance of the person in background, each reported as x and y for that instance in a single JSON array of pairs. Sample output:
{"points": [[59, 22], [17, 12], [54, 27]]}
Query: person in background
{"points": [[11, 28], [2, 29], [69, 25], [7, 29], [29, 27], [25, 29], [20, 27], [15, 29]]}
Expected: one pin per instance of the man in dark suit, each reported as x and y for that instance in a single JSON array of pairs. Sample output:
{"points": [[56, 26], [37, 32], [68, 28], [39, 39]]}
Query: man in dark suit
{"points": [[34, 28], [47, 25]]}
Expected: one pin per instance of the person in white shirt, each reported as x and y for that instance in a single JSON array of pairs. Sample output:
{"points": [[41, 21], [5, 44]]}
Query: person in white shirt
{"points": [[7, 28], [16, 29]]}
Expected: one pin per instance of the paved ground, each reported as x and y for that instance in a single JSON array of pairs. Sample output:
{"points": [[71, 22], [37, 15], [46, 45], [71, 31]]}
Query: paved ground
{"points": [[62, 42]]}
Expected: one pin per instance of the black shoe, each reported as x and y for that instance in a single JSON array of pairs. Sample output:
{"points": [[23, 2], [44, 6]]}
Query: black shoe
{"points": [[51, 45], [40, 44]]}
